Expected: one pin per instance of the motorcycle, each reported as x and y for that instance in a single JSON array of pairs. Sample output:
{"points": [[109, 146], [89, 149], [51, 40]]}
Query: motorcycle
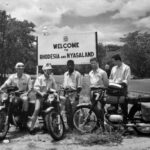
{"points": [[85, 117], [10, 110], [51, 114]]}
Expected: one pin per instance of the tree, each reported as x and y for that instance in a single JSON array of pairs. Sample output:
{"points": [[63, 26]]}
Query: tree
{"points": [[136, 52], [17, 45]]}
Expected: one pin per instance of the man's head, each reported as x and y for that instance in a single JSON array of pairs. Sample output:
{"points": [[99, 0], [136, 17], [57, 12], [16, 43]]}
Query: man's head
{"points": [[94, 63], [107, 67], [116, 60], [70, 66], [19, 68], [47, 69]]}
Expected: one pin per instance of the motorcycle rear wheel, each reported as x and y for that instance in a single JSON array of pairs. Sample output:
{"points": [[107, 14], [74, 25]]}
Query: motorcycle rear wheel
{"points": [[4, 124], [136, 115], [55, 125], [83, 120]]}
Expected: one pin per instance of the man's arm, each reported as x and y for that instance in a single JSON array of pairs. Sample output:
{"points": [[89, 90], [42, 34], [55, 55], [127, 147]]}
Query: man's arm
{"points": [[127, 75], [6, 83], [105, 79], [111, 76], [30, 86], [54, 84], [79, 83], [37, 85]]}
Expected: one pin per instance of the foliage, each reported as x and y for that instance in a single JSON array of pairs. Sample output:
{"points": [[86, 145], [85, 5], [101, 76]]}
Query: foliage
{"points": [[100, 138], [136, 52], [16, 45], [112, 47]]}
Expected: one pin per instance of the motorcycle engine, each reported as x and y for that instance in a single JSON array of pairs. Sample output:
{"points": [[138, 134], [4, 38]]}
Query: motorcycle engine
{"points": [[115, 118]]}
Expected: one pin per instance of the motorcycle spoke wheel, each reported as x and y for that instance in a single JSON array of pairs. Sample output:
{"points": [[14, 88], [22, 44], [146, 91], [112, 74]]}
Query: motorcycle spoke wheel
{"points": [[141, 130], [136, 117], [55, 125], [84, 121], [4, 124]]}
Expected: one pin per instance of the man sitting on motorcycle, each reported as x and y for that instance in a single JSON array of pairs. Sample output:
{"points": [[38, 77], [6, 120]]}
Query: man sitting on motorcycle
{"points": [[24, 83], [41, 85], [98, 78], [120, 74], [72, 80]]}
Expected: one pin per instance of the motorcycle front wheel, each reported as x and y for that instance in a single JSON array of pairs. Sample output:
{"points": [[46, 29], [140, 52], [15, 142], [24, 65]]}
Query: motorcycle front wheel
{"points": [[55, 125], [84, 120], [4, 124], [136, 116]]}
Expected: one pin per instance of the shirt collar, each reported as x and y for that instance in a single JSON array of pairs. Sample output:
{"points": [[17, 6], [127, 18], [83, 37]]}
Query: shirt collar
{"points": [[15, 76], [95, 71], [120, 66], [46, 78], [71, 73]]}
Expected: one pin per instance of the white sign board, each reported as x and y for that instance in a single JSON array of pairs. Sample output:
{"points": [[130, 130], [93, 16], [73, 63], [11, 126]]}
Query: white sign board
{"points": [[58, 49]]}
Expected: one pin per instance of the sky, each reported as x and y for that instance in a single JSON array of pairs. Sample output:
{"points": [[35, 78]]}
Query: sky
{"points": [[112, 19]]}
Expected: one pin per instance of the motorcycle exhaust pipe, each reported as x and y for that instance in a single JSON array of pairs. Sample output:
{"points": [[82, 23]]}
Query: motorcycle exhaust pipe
{"points": [[130, 125], [142, 124], [138, 125]]}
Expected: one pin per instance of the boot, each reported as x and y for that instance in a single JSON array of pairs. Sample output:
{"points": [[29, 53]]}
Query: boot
{"points": [[24, 119]]}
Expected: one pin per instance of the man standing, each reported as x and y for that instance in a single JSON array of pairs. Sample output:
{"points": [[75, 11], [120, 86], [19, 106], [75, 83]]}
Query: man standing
{"points": [[120, 74], [98, 78], [24, 83], [72, 80]]}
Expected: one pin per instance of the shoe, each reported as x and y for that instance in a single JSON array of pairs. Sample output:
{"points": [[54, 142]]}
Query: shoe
{"points": [[23, 128], [32, 132], [126, 132], [69, 130], [44, 130]]}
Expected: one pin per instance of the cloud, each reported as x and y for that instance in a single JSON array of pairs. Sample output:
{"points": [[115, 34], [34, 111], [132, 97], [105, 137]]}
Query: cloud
{"points": [[111, 18], [143, 23], [134, 9]]}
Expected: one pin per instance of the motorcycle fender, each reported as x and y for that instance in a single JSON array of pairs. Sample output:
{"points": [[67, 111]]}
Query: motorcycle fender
{"points": [[48, 110], [83, 104], [2, 107]]}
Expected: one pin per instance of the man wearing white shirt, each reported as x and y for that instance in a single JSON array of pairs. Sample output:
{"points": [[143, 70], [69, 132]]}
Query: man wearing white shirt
{"points": [[98, 78], [120, 74], [72, 80]]}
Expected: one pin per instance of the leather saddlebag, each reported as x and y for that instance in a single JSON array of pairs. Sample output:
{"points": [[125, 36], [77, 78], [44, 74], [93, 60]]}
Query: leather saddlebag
{"points": [[145, 108], [115, 99]]}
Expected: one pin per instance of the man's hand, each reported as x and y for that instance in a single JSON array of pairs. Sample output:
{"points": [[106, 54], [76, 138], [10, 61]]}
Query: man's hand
{"points": [[79, 90], [124, 85], [43, 94], [77, 97]]}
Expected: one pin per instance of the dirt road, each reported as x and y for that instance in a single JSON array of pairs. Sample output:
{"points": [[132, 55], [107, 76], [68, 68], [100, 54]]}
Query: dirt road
{"points": [[40, 141]]}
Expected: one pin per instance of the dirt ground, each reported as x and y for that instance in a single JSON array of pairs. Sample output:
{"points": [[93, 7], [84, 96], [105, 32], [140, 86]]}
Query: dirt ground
{"points": [[40, 141]]}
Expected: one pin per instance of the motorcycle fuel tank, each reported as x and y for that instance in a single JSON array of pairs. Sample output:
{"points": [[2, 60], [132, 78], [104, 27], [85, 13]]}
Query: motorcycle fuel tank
{"points": [[116, 118]]}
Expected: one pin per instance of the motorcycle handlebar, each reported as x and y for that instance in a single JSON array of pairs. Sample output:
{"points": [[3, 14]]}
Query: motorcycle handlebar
{"points": [[69, 90], [98, 88]]}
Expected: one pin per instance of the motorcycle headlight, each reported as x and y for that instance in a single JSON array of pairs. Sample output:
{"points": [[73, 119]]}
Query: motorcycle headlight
{"points": [[4, 96], [51, 98]]}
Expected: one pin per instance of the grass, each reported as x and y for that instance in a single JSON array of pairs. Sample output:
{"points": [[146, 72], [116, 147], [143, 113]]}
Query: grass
{"points": [[97, 138]]}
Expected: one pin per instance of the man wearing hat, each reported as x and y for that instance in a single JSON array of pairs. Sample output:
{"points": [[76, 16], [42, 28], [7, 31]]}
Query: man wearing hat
{"points": [[42, 84], [24, 83]]}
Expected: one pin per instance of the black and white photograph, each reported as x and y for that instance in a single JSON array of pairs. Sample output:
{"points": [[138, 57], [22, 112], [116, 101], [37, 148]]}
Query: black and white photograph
{"points": [[75, 75]]}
